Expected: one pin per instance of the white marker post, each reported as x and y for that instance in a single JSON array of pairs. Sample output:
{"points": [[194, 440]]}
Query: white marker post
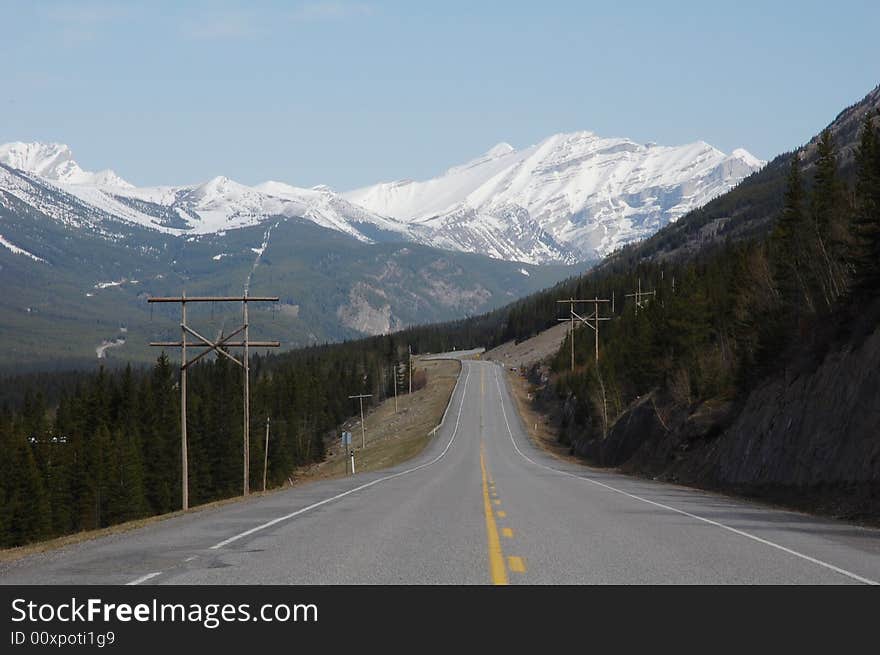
{"points": [[352, 460]]}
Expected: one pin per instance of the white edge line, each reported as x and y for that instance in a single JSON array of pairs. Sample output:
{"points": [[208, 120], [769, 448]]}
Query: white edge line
{"points": [[448, 404], [287, 517], [742, 533], [143, 578]]}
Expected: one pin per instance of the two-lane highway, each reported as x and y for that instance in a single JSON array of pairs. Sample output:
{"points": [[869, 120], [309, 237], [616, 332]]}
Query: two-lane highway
{"points": [[481, 505]]}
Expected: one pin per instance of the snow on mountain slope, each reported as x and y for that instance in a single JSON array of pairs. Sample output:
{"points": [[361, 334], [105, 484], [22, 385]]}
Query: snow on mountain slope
{"points": [[328, 209], [54, 161], [587, 194], [224, 204], [572, 197], [216, 205], [408, 200]]}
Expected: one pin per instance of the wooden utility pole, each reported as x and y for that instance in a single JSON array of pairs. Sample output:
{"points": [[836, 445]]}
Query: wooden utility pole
{"points": [[361, 397], [571, 302], [266, 455], [640, 296], [184, 456], [409, 350], [595, 318], [219, 347], [395, 371], [592, 320]]}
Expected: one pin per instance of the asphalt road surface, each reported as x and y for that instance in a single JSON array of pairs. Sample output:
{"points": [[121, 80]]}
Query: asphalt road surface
{"points": [[481, 505]]}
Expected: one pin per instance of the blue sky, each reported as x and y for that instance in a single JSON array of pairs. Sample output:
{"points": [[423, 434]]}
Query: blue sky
{"points": [[350, 93]]}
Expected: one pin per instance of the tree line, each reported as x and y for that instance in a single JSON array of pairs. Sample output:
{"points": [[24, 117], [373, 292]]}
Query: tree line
{"points": [[108, 449]]}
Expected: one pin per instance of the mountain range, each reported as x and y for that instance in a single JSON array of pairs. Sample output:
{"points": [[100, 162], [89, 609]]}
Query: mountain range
{"points": [[571, 198], [80, 251]]}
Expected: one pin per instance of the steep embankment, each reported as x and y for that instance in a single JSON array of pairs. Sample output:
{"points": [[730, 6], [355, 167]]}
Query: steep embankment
{"points": [[806, 436]]}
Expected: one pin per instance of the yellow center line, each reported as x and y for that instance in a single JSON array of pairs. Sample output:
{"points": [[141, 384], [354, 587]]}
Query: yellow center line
{"points": [[496, 556], [501, 514], [507, 532], [516, 564]]}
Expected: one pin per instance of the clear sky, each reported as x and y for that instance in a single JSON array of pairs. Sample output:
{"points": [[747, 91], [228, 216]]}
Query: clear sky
{"points": [[351, 93]]}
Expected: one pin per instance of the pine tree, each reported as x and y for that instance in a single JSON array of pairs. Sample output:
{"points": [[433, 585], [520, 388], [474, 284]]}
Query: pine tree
{"points": [[59, 482], [160, 418], [24, 515], [830, 223], [866, 223], [787, 252]]}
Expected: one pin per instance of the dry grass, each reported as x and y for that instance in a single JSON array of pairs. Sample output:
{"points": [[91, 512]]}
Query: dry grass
{"points": [[528, 352], [538, 426], [391, 439]]}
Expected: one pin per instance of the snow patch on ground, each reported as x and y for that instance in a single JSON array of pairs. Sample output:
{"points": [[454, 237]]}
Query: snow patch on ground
{"points": [[101, 351], [106, 285], [19, 251]]}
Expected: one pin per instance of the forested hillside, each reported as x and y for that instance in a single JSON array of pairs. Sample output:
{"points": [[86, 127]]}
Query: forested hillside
{"points": [[106, 448]]}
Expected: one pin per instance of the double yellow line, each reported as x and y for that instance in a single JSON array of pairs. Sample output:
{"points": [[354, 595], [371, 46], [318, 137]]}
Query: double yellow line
{"points": [[497, 567], [496, 556]]}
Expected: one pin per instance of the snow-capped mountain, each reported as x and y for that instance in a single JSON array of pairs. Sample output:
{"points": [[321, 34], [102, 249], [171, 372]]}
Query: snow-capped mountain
{"points": [[215, 206], [54, 161], [571, 197]]}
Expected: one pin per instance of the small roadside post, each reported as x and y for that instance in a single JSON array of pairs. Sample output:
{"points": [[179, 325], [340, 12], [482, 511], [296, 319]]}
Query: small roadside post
{"points": [[346, 443], [351, 454]]}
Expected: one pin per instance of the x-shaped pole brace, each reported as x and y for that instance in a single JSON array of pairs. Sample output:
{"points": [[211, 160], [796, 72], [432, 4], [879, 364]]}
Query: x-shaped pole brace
{"points": [[591, 317], [211, 346]]}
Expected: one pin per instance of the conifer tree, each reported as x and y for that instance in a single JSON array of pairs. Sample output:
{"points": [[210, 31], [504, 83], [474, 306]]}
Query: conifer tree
{"points": [[830, 223], [789, 252], [866, 223]]}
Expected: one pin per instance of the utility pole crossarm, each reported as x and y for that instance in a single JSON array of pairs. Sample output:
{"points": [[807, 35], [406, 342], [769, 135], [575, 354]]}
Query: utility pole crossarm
{"points": [[592, 320], [640, 295], [214, 299], [219, 347], [220, 344]]}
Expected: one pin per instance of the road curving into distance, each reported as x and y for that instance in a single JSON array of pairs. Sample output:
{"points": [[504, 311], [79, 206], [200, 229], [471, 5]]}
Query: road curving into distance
{"points": [[480, 505]]}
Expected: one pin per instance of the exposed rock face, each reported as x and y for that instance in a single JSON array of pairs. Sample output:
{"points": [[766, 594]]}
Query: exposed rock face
{"points": [[819, 428], [810, 438], [360, 315]]}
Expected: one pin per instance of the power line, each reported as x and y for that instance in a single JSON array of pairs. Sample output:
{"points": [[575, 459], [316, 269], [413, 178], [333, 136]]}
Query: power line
{"points": [[594, 317], [641, 296], [219, 346]]}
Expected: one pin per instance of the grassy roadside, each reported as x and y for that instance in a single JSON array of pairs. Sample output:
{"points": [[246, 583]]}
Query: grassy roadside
{"points": [[538, 426], [391, 439]]}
